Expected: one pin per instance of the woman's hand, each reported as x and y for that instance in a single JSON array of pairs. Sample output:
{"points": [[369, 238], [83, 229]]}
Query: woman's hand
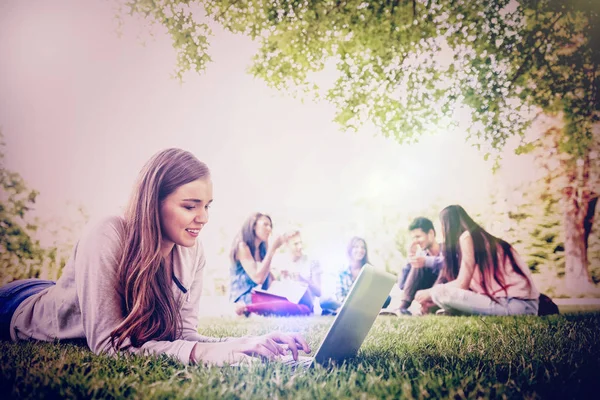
{"points": [[235, 350], [412, 248], [423, 296], [293, 342], [267, 346], [283, 238], [416, 261]]}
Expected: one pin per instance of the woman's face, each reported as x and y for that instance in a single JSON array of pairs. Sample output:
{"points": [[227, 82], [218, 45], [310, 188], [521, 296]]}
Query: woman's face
{"points": [[358, 251], [184, 213], [263, 228]]}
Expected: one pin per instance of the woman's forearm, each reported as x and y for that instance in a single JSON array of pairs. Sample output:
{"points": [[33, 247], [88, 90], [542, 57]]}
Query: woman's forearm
{"points": [[209, 353], [315, 288], [263, 269]]}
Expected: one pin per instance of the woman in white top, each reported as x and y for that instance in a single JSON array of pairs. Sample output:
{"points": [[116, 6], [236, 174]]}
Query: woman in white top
{"points": [[485, 274], [133, 283]]}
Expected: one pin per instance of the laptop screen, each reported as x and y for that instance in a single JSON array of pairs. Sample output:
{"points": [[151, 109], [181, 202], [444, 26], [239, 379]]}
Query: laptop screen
{"points": [[356, 316]]}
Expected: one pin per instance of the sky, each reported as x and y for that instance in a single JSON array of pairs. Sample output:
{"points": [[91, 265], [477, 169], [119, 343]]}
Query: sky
{"points": [[83, 108]]}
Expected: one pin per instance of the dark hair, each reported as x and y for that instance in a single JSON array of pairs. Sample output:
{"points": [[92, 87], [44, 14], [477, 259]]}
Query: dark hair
{"points": [[353, 241], [248, 236], [151, 311], [455, 221], [421, 223]]}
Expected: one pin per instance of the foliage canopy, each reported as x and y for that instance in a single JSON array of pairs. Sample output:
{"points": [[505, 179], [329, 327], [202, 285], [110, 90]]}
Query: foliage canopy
{"points": [[407, 65]]}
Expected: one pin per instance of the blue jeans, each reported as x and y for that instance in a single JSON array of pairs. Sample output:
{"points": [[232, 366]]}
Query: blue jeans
{"points": [[466, 302], [415, 279], [13, 294]]}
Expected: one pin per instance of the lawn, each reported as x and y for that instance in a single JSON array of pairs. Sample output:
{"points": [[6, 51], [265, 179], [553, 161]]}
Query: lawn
{"points": [[418, 357]]}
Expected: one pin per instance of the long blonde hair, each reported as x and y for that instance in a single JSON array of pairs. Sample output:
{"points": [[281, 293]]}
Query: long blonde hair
{"points": [[150, 309]]}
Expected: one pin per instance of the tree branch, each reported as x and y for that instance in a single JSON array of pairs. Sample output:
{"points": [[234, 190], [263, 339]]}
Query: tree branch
{"points": [[226, 10], [529, 56]]}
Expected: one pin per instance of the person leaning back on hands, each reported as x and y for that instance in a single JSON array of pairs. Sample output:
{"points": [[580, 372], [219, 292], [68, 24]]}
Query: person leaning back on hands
{"points": [[133, 282]]}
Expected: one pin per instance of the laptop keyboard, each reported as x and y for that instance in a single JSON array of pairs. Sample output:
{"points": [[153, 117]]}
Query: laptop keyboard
{"points": [[303, 362]]}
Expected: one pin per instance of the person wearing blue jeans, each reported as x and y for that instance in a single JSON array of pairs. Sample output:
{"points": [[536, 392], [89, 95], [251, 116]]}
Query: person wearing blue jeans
{"points": [[12, 295], [358, 257], [133, 282], [425, 262], [485, 275]]}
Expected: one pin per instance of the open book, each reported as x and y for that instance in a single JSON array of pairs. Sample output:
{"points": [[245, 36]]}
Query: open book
{"points": [[293, 291]]}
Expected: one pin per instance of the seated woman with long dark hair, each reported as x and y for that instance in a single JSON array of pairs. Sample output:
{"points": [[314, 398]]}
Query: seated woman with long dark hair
{"points": [[485, 275], [251, 258]]}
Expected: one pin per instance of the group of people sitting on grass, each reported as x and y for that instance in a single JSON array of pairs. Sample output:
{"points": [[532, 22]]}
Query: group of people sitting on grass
{"points": [[471, 272], [133, 282]]}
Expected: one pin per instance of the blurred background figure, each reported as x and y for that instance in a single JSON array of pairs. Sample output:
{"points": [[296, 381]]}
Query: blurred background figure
{"points": [[485, 275], [425, 261], [306, 270], [357, 258], [251, 258]]}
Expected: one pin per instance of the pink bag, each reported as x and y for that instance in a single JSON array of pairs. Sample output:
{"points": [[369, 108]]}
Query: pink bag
{"points": [[270, 304]]}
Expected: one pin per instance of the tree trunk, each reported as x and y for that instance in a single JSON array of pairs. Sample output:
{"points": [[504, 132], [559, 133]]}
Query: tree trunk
{"points": [[579, 179], [579, 203]]}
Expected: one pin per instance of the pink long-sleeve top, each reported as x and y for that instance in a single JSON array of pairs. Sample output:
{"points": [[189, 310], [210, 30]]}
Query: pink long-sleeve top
{"points": [[85, 302]]}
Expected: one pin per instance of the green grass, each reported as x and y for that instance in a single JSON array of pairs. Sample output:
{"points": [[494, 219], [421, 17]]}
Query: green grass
{"points": [[426, 357]]}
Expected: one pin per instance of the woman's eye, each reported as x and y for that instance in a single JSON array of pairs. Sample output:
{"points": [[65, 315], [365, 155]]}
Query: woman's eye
{"points": [[189, 207]]}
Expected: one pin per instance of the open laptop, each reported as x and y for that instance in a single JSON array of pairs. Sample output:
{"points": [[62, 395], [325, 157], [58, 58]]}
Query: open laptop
{"points": [[353, 321]]}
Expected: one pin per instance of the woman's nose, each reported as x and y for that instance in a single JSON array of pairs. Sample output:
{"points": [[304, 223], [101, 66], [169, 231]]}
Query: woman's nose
{"points": [[202, 216]]}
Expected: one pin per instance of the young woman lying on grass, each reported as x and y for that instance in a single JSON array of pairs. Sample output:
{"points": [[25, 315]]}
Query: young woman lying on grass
{"points": [[485, 274], [133, 283]]}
